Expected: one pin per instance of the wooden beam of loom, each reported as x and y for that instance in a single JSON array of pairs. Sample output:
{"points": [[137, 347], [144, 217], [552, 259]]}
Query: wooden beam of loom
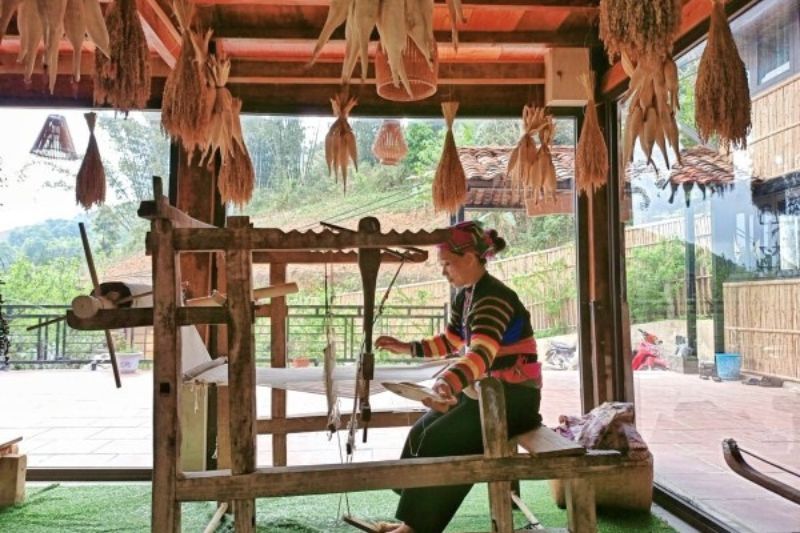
{"points": [[396, 474], [275, 239], [319, 422], [302, 257], [134, 318]]}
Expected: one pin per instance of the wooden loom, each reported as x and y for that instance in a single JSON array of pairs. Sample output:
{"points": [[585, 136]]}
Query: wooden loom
{"points": [[173, 232]]}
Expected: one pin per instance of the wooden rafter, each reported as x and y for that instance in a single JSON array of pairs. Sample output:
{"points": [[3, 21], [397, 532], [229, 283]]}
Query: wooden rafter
{"points": [[161, 34], [439, 3]]}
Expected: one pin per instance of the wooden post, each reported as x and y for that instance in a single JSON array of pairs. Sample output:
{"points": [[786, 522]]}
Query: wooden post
{"points": [[277, 345], [581, 512], [166, 371], [241, 370], [495, 444]]}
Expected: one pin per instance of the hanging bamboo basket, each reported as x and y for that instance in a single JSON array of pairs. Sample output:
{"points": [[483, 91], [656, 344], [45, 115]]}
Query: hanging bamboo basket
{"points": [[390, 146], [422, 78]]}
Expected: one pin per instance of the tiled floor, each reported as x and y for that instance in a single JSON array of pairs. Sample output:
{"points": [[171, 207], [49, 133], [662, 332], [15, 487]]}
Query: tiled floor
{"points": [[78, 418]]}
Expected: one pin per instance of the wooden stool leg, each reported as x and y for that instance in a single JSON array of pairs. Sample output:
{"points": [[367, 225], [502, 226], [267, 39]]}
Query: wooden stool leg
{"points": [[581, 512], [495, 444]]}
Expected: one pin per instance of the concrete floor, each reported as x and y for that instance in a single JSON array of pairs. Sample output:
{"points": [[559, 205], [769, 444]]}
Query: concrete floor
{"points": [[75, 418]]}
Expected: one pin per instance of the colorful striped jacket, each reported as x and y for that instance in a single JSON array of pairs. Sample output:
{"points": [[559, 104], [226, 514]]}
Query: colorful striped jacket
{"points": [[497, 335]]}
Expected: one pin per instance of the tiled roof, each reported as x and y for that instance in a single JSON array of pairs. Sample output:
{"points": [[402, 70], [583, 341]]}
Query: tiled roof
{"points": [[488, 185], [701, 166]]}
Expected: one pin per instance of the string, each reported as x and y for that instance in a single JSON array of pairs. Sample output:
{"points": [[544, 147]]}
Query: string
{"points": [[778, 466]]}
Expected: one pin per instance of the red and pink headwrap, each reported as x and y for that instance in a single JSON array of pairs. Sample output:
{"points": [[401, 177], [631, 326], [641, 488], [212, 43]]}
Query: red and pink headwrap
{"points": [[469, 236]]}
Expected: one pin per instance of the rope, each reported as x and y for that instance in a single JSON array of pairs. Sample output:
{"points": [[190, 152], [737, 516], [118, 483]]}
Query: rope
{"points": [[778, 466]]}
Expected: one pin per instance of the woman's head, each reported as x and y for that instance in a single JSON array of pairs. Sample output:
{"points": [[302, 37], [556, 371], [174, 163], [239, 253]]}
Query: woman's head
{"points": [[463, 255]]}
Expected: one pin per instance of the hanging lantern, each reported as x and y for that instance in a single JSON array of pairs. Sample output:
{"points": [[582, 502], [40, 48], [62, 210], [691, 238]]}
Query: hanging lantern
{"points": [[422, 78], [54, 141], [390, 145]]}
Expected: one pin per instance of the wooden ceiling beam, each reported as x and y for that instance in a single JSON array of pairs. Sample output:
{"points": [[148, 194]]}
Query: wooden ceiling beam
{"points": [[314, 100], [571, 38], [528, 73], [439, 3], [301, 50], [161, 34]]}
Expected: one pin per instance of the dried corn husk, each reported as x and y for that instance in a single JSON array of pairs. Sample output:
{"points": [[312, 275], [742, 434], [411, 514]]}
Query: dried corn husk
{"points": [[221, 125], [641, 29], [90, 186], [393, 41], [189, 95], [340, 142], [591, 157], [450, 182], [523, 160], [722, 95], [75, 29], [236, 178], [96, 25], [653, 95], [7, 8], [30, 30], [542, 184], [337, 14], [123, 79], [456, 16], [51, 15]]}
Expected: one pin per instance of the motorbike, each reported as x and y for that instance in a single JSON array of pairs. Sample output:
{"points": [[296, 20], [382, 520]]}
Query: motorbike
{"points": [[561, 356], [648, 355]]}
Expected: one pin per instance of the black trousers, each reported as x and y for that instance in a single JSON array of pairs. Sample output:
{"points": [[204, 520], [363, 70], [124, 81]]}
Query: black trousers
{"points": [[457, 432]]}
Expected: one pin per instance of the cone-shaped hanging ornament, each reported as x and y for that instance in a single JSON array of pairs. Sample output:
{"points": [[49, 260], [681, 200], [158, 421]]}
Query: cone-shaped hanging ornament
{"points": [[90, 187], [450, 183], [54, 140]]}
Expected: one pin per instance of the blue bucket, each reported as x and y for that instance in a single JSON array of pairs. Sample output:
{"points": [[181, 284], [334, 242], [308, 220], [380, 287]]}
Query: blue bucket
{"points": [[729, 365]]}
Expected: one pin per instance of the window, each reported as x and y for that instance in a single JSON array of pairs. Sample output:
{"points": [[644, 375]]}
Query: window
{"points": [[774, 44]]}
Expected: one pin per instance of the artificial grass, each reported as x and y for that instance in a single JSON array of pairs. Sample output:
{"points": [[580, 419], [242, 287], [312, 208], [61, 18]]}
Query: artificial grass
{"points": [[126, 508]]}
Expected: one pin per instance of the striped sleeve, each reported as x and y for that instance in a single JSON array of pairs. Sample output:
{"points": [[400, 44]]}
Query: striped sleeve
{"points": [[445, 343], [488, 322]]}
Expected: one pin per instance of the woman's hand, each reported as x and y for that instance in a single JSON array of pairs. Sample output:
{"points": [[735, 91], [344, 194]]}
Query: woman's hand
{"points": [[445, 393], [390, 344]]}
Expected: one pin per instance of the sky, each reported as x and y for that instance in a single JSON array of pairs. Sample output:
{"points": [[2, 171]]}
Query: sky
{"points": [[24, 199]]}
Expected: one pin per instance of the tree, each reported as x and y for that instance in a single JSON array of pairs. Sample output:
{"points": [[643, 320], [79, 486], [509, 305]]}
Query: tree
{"points": [[55, 282], [142, 151]]}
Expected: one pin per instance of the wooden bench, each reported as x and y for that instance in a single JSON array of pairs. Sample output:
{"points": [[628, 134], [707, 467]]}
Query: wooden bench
{"points": [[542, 444], [13, 467]]}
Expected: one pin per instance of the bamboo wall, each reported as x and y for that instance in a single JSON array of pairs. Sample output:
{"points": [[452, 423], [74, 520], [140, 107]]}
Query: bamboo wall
{"points": [[775, 138], [762, 323]]}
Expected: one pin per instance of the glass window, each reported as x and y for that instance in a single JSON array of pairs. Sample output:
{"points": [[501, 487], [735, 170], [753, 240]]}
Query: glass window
{"points": [[712, 286]]}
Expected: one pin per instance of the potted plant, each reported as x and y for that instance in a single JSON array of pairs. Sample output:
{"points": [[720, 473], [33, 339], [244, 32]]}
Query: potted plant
{"points": [[128, 356]]}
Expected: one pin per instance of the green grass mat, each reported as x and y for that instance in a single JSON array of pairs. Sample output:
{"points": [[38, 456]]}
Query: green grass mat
{"points": [[126, 507]]}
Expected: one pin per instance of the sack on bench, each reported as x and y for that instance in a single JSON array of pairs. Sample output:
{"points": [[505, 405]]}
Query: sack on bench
{"points": [[611, 427]]}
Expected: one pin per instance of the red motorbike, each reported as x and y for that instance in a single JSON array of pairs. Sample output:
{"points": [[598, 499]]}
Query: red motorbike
{"points": [[648, 354]]}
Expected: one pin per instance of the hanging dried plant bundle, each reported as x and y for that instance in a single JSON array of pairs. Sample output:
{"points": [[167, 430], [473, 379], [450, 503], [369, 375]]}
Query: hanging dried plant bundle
{"points": [[221, 125], [236, 179], [653, 95], [591, 157], [522, 162], [543, 182], [340, 142], [123, 80], [396, 20], [450, 182], [640, 28], [189, 95], [90, 186], [722, 95]]}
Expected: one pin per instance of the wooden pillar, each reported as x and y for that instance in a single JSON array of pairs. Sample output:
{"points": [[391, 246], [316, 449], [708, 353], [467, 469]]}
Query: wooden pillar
{"points": [[196, 192], [241, 369], [581, 511], [277, 345], [166, 515], [690, 262], [495, 444]]}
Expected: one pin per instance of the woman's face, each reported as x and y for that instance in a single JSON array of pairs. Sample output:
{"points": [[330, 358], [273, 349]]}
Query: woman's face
{"points": [[458, 269]]}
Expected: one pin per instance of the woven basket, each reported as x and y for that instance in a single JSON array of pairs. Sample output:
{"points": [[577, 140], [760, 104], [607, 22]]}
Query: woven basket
{"points": [[423, 79], [390, 145]]}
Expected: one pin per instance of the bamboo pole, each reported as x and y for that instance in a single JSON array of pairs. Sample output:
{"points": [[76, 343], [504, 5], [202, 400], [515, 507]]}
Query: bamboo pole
{"points": [[278, 327]]}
